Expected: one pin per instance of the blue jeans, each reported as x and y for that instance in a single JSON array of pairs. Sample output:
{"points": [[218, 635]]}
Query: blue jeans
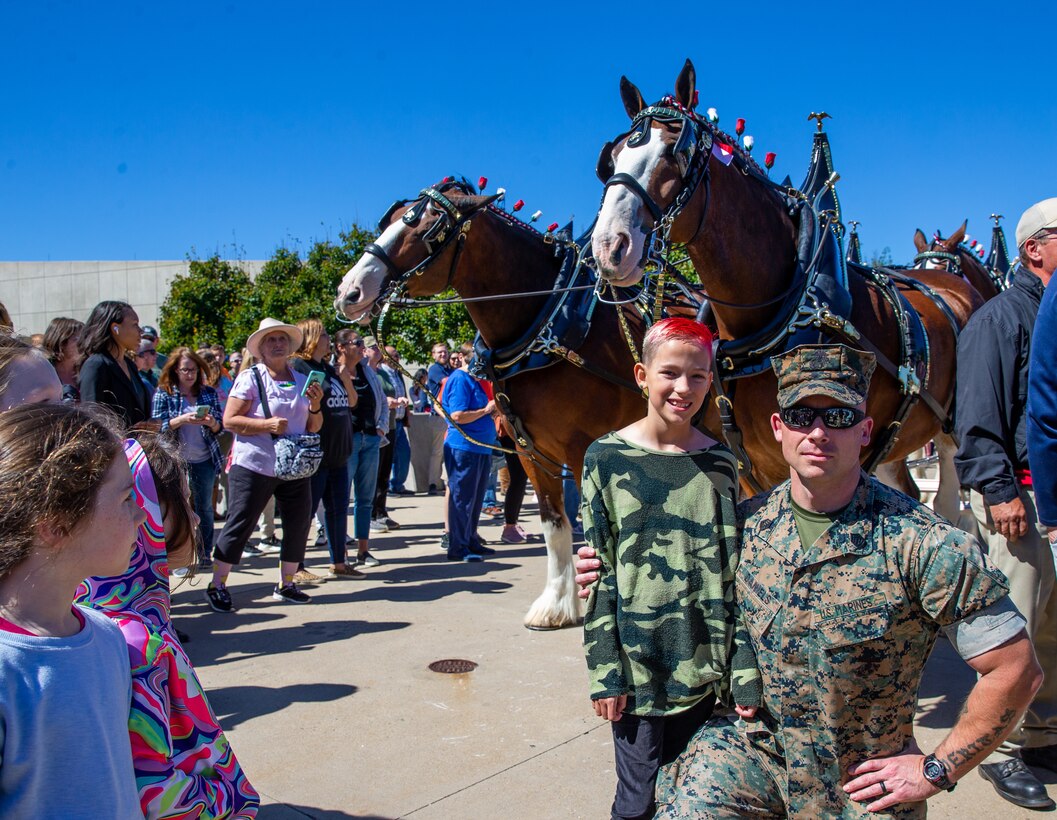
{"points": [[401, 459], [363, 473], [571, 496], [200, 477], [467, 477], [331, 485], [490, 498]]}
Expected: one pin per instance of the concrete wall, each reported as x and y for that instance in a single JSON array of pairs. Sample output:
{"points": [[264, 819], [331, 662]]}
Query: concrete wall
{"points": [[36, 292]]}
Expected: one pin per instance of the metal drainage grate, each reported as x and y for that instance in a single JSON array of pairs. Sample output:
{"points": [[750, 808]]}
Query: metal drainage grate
{"points": [[452, 666]]}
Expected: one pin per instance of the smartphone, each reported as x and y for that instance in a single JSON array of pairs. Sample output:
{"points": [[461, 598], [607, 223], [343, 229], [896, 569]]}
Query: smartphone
{"points": [[315, 377], [201, 411]]}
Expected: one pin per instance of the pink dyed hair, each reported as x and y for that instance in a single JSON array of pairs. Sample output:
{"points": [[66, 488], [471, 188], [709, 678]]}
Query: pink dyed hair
{"points": [[676, 328]]}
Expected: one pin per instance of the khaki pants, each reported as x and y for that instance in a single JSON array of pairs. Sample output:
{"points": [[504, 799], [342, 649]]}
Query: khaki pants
{"points": [[426, 436], [1028, 563]]}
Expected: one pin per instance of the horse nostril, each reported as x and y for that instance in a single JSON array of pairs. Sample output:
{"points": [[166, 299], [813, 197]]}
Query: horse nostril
{"points": [[352, 297], [619, 248]]}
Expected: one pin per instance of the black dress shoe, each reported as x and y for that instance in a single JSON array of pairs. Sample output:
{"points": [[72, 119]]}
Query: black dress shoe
{"points": [[1043, 757], [1015, 782]]}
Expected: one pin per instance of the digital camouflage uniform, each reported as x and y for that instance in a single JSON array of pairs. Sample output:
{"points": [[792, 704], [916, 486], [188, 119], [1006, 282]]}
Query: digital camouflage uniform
{"points": [[660, 624], [841, 631]]}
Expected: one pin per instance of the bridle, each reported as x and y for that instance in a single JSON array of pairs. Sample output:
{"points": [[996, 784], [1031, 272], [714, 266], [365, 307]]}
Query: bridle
{"points": [[451, 227], [692, 150], [952, 263]]}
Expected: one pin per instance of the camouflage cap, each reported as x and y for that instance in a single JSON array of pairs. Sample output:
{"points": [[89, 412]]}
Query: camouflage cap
{"points": [[838, 371]]}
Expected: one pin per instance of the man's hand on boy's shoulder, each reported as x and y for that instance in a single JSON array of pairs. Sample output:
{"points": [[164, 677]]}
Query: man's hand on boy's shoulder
{"points": [[610, 708], [586, 570]]}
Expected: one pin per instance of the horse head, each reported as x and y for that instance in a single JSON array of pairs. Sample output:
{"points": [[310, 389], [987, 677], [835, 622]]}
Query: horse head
{"points": [[650, 173], [955, 255], [417, 248]]}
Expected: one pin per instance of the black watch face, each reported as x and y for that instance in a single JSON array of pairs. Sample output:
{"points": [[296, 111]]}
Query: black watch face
{"points": [[935, 772]]}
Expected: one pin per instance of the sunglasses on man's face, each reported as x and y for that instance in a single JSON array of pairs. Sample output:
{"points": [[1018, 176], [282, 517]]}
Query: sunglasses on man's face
{"points": [[835, 418]]}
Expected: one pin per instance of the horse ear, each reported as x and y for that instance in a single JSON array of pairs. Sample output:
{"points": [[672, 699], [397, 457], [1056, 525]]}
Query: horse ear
{"points": [[632, 97], [686, 84], [920, 242], [956, 237]]}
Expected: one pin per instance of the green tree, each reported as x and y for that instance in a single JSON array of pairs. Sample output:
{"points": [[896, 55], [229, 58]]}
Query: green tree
{"points": [[414, 331], [216, 301], [199, 304], [882, 259]]}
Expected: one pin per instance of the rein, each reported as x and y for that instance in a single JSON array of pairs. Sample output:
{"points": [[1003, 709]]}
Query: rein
{"points": [[406, 304]]}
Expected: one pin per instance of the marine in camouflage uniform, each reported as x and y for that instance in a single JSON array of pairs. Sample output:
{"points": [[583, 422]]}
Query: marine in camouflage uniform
{"points": [[841, 628]]}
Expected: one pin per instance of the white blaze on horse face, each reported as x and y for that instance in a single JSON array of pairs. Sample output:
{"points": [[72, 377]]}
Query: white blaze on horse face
{"points": [[620, 233], [362, 285]]}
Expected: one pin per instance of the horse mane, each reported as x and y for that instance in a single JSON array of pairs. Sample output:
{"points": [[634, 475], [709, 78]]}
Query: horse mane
{"points": [[464, 188]]}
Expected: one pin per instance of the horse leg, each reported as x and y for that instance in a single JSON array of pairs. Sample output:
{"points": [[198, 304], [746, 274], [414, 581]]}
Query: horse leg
{"points": [[896, 475], [557, 605], [948, 501]]}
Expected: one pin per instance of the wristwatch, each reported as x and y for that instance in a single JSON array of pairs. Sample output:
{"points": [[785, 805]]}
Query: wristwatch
{"points": [[936, 773]]}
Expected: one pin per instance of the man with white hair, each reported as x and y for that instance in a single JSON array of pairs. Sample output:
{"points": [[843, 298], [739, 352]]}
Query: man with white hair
{"points": [[994, 352]]}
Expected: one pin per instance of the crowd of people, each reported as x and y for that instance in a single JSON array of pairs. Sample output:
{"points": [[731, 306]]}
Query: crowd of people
{"points": [[225, 414]]}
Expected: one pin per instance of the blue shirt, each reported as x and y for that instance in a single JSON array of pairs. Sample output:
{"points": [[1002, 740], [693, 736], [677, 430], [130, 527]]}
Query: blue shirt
{"points": [[64, 709], [462, 392], [1042, 410]]}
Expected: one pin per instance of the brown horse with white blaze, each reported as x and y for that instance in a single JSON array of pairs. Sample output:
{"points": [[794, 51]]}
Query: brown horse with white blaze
{"points": [[665, 182], [450, 237]]}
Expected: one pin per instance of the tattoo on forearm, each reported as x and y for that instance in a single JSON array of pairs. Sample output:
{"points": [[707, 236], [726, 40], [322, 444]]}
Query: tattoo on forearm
{"points": [[963, 754]]}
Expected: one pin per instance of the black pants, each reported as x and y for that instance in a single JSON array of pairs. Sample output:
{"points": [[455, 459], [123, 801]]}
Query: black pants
{"points": [[385, 466], [641, 745], [515, 491], [248, 493]]}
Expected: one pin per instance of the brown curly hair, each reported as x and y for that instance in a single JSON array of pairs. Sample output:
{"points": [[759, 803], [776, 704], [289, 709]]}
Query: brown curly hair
{"points": [[53, 460]]}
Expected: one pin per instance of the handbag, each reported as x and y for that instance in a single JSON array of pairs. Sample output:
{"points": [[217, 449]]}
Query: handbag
{"points": [[297, 456]]}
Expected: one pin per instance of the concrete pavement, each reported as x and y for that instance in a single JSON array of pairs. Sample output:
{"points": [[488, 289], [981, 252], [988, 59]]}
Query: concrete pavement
{"points": [[333, 712]]}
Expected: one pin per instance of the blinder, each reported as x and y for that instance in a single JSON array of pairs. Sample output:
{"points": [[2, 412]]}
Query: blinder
{"points": [[604, 168], [383, 223]]}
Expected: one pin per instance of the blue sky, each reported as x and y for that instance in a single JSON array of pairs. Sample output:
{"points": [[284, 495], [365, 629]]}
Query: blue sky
{"points": [[154, 130]]}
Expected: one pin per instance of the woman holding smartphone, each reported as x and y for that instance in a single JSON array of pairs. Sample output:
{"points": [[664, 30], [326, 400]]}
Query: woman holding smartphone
{"points": [[189, 409]]}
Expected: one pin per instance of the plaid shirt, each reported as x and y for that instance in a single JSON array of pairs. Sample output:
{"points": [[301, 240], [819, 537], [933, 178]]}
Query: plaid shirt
{"points": [[167, 406]]}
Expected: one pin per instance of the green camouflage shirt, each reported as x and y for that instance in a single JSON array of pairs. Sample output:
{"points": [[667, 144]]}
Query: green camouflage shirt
{"points": [[841, 630], [660, 622]]}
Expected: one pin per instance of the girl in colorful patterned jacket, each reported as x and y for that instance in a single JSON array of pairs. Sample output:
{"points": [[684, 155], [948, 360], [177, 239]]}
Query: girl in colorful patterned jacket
{"points": [[183, 763]]}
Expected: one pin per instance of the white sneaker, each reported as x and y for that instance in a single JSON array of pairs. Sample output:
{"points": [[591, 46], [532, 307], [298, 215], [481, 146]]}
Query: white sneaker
{"points": [[379, 525]]}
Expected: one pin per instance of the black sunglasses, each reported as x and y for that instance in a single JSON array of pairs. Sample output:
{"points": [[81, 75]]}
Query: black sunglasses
{"points": [[835, 418]]}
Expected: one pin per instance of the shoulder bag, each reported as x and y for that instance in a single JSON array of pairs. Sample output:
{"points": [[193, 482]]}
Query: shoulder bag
{"points": [[296, 455]]}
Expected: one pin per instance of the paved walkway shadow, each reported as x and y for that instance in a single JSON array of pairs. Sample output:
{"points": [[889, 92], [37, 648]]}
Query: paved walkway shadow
{"points": [[288, 811], [948, 679], [236, 704], [212, 649]]}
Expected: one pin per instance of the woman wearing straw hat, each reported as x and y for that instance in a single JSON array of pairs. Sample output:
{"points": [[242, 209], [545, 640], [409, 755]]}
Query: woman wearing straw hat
{"points": [[251, 482]]}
